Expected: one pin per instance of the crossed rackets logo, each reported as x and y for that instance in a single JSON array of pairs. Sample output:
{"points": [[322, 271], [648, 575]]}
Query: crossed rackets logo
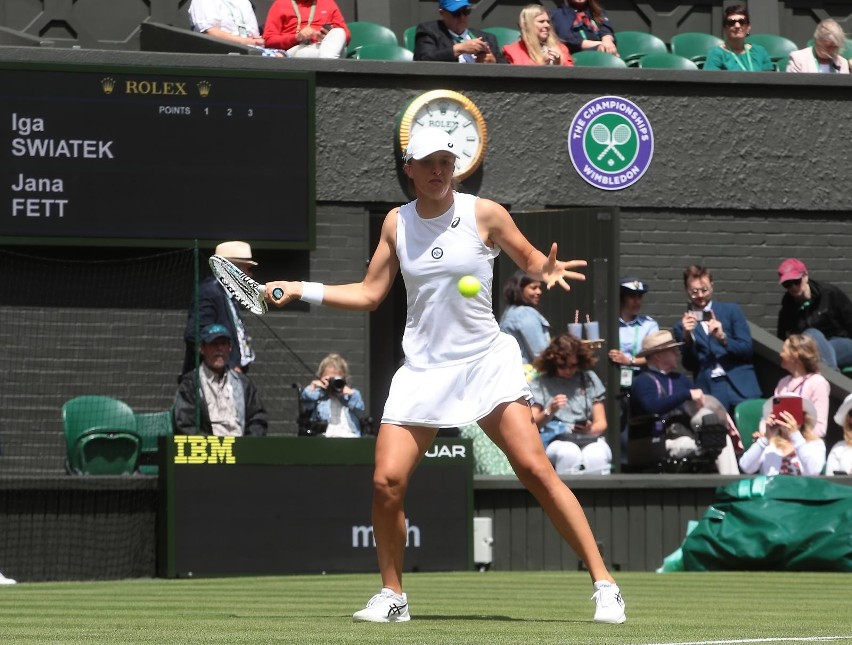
{"points": [[610, 142]]}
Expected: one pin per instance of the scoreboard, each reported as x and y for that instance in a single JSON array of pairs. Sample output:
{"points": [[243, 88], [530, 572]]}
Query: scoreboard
{"points": [[156, 156]]}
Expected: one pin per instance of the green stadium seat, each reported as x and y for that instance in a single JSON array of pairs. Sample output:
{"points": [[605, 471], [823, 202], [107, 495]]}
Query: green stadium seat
{"points": [[151, 426], [408, 37], [505, 35], [666, 61], [694, 45], [633, 45], [592, 58], [383, 52], [100, 436], [776, 46], [747, 416], [368, 33]]}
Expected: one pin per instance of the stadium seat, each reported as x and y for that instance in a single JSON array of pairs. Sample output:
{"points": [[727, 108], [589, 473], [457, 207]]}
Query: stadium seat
{"points": [[383, 52], [694, 45], [666, 61], [408, 38], [504, 35], [368, 33], [633, 45], [592, 58], [747, 417], [777, 47], [150, 426], [100, 436]]}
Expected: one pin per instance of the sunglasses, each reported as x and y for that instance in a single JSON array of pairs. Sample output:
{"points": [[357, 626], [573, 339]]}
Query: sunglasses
{"points": [[791, 283], [458, 13], [702, 291], [730, 22]]}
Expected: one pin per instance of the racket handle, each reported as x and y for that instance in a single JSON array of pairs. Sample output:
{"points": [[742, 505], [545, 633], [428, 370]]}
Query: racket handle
{"points": [[277, 293]]}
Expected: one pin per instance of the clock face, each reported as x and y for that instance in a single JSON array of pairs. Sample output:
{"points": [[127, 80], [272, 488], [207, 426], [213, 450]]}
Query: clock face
{"points": [[454, 113]]}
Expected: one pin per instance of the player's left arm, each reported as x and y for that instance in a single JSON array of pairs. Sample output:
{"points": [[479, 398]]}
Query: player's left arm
{"points": [[497, 227]]}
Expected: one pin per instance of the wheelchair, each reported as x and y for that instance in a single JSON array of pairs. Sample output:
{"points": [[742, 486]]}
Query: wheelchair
{"points": [[646, 443]]}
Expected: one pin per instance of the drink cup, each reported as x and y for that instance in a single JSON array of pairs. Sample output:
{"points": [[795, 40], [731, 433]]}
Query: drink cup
{"points": [[576, 330], [593, 331]]}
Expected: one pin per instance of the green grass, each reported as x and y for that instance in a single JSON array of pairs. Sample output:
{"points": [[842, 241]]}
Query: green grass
{"points": [[528, 608]]}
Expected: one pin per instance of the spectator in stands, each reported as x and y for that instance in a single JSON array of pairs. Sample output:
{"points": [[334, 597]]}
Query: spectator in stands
{"points": [[231, 20], [521, 319], [800, 357], [538, 44], [215, 305], [582, 25], [450, 39], [717, 342], [840, 458], [824, 56], [229, 405], [329, 402], [735, 54], [632, 329], [816, 309], [784, 447], [663, 393], [306, 28], [568, 408]]}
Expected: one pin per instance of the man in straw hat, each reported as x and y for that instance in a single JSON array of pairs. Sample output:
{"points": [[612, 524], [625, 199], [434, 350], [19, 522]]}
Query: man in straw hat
{"points": [[663, 392], [215, 306]]}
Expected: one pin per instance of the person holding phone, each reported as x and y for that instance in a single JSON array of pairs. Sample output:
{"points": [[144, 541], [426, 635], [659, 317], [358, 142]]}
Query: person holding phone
{"points": [[717, 345], [840, 458], [784, 445], [307, 28], [568, 408], [450, 40]]}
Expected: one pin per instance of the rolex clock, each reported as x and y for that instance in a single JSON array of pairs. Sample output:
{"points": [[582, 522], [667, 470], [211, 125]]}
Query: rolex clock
{"points": [[454, 113]]}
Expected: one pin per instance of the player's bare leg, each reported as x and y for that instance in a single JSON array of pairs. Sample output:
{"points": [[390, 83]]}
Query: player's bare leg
{"points": [[398, 451], [510, 426]]}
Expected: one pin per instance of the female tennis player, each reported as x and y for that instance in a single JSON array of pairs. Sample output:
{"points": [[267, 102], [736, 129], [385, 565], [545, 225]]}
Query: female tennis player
{"points": [[459, 368]]}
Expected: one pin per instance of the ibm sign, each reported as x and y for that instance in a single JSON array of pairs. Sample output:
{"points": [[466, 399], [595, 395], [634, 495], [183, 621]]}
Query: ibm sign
{"points": [[255, 506]]}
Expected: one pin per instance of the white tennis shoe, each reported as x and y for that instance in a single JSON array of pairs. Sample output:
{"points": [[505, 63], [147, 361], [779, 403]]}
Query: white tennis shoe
{"points": [[6, 581], [609, 605], [385, 607]]}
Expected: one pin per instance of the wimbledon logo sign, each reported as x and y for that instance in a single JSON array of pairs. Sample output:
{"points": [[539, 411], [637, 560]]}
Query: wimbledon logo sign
{"points": [[611, 143]]}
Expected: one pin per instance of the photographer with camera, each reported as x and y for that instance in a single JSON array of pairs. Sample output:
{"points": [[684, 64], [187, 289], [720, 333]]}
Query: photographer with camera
{"points": [[333, 407], [717, 345]]}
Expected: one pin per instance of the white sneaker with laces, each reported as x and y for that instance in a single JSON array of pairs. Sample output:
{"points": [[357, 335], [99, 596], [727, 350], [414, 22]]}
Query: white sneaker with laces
{"points": [[385, 607], [609, 606]]}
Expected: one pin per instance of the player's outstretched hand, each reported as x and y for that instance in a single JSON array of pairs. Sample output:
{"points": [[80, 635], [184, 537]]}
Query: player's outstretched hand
{"points": [[559, 272], [292, 291]]}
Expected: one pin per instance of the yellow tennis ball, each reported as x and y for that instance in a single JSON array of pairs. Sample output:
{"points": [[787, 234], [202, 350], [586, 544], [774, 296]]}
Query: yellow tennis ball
{"points": [[469, 286]]}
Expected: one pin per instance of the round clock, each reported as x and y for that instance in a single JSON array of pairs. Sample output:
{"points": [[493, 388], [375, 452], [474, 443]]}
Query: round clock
{"points": [[454, 113]]}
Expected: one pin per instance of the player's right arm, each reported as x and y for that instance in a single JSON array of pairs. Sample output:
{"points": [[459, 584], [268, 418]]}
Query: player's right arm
{"points": [[357, 296]]}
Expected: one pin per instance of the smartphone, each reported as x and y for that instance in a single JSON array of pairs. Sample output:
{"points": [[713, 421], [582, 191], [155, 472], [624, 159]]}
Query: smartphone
{"points": [[702, 316], [791, 404], [327, 26]]}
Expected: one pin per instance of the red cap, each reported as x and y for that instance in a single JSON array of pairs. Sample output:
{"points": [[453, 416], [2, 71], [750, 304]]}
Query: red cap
{"points": [[791, 269]]}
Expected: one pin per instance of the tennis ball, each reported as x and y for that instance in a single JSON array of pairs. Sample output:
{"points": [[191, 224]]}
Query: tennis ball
{"points": [[469, 286]]}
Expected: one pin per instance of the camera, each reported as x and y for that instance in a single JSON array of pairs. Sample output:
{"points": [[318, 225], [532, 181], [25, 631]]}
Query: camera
{"points": [[336, 384]]}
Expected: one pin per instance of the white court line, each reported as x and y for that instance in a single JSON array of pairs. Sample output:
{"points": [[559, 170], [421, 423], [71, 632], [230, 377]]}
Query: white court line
{"points": [[779, 639]]}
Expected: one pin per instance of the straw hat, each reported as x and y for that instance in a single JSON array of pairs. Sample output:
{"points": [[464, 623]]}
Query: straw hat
{"points": [[236, 252], [657, 341]]}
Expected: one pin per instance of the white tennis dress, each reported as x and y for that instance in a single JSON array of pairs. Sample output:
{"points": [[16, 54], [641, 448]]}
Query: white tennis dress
{"points": [[458, 364]]}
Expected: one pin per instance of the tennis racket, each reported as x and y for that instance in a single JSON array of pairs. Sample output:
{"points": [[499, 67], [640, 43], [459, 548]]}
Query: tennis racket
{"points": [[248, 292]]}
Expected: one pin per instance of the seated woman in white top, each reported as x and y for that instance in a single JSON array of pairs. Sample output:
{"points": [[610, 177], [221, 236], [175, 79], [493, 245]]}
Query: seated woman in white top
{"points": [[840, 458], [231, 20], [331, 403], [783, 446]]}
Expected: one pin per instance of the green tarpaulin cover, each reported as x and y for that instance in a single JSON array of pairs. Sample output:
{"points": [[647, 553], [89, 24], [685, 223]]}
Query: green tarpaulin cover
{"points": [[779, 523]]}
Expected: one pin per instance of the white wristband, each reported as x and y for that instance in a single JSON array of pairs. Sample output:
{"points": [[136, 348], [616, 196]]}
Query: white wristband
{"points": [[312, 292]]}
